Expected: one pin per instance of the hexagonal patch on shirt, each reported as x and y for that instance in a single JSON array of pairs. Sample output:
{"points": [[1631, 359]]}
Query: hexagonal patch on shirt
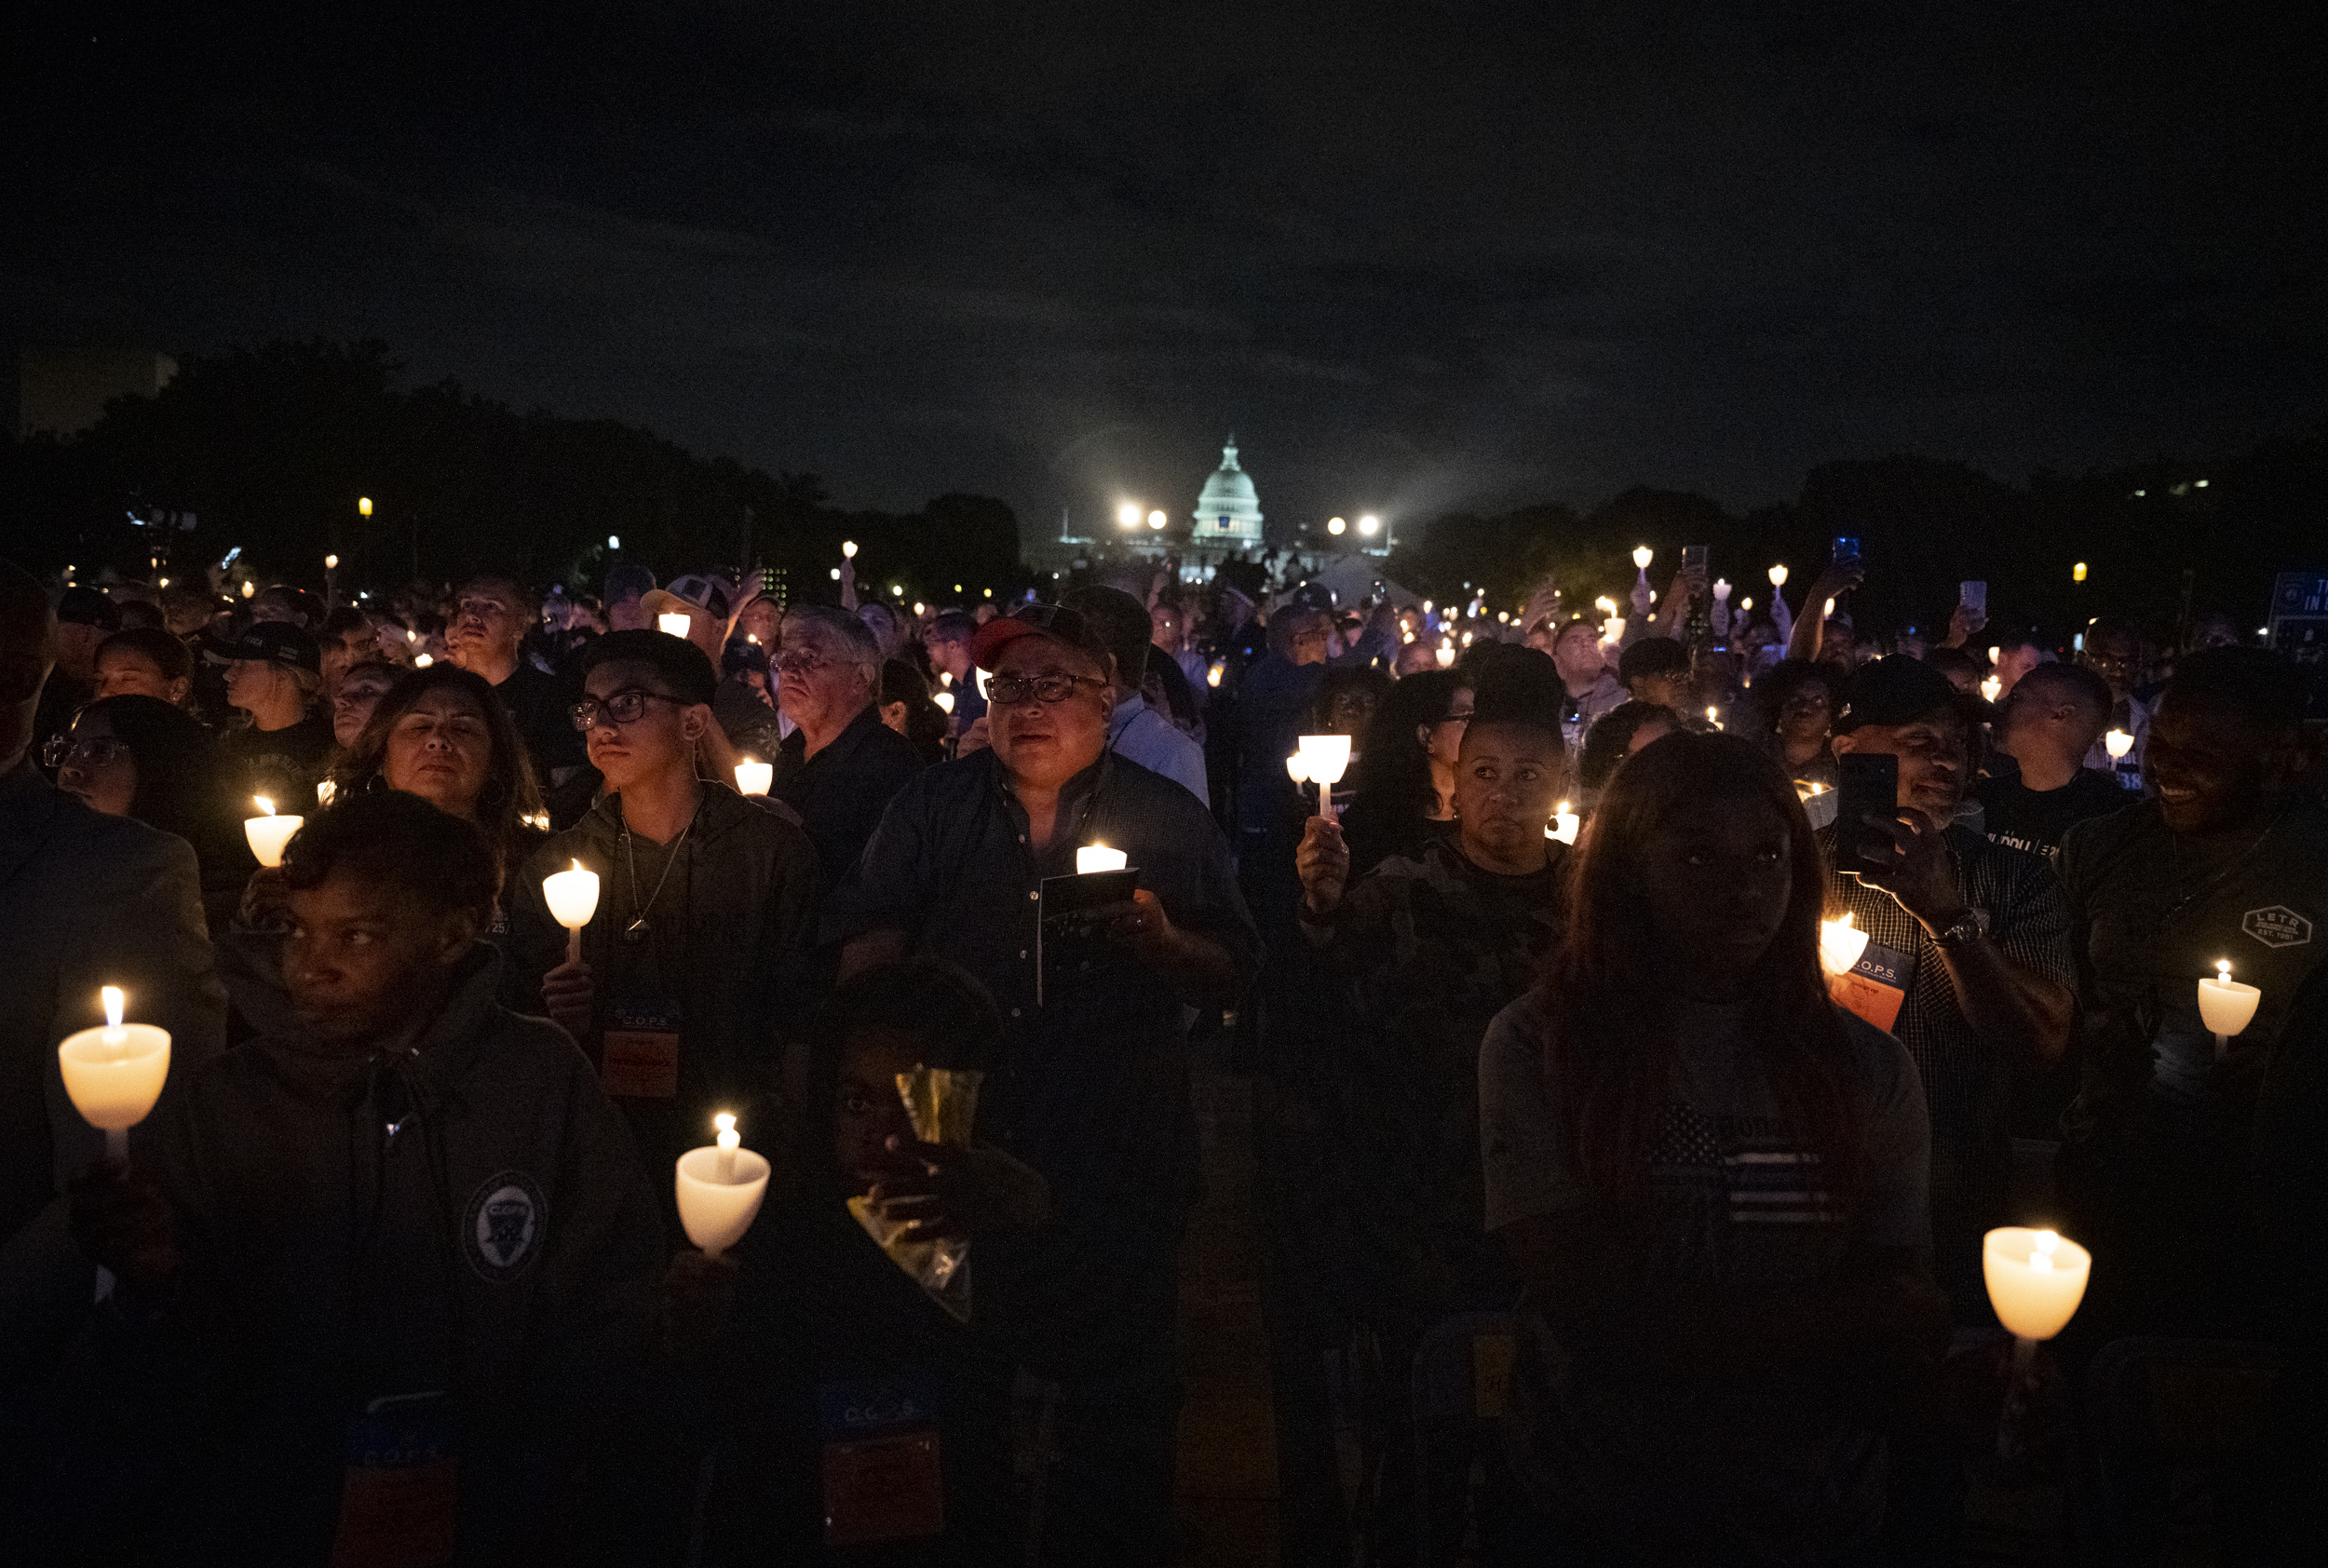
{"points": [[2277, 926]]}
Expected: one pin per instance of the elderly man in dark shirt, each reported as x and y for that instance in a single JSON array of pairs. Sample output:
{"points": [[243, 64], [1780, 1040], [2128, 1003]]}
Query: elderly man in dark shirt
{"points": [[1093, 1090], [841, 764]]}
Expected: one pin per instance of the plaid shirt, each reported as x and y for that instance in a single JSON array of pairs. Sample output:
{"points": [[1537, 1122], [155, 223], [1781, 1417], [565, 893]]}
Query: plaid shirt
{"points": [[1968, 1080]]}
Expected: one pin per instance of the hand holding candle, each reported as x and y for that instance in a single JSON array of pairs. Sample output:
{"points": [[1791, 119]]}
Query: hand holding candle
{"points": [[719, 1189], [573, 898], [1325, 758], [2226, 1006], [268, 833], [113, 1075]]}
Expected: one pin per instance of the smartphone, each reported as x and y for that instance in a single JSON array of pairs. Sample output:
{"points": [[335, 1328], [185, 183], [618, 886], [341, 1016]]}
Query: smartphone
{"points": [[1847, 547], [1867, 784], [1973, 596]]}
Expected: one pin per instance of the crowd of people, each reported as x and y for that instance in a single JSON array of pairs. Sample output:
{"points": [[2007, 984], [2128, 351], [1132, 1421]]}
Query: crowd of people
{"points": [[1545, 1049]]}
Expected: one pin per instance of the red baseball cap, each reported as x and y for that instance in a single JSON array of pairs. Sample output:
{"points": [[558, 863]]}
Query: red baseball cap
{"points": [[1060, 625]]}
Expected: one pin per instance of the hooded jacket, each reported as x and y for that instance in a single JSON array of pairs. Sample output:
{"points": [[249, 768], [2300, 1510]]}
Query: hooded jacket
{"points": [[462, 1212]]}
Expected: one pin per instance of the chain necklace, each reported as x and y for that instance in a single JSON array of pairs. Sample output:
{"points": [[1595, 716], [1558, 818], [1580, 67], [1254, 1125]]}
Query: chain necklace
{"points": [[638, 928]]}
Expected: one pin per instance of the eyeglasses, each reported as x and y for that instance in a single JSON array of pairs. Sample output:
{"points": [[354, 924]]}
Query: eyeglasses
{"points": [[96, 750], [623, 708], [1039, 688]]}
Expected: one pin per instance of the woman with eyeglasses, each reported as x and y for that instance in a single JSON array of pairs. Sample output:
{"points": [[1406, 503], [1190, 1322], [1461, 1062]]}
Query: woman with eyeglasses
{"points": [[1403, 780], [143, 758]]}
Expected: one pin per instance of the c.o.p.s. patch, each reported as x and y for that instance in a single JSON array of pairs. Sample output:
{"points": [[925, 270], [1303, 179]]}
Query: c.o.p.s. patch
{"points": [[502, 1228]]}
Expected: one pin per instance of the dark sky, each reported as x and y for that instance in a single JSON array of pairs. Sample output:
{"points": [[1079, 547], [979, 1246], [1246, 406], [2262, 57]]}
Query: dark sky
{"points": [[1417, 254]]}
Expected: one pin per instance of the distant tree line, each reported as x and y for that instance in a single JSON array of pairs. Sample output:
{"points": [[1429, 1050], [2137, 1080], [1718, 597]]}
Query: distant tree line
{"points": [[270, 448]]}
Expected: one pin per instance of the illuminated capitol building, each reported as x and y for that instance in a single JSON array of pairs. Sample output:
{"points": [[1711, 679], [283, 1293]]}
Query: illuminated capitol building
{"points": [[1224, 525]]}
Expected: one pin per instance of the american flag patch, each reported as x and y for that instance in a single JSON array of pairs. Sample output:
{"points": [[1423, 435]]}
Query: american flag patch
{"points": [[1771, 1181]]}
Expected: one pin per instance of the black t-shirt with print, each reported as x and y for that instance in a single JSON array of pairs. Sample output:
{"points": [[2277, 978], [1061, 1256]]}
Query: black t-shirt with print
{"points": [[2033, 820]]}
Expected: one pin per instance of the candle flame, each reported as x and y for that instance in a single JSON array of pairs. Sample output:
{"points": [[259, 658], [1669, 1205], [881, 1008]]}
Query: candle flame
{"points": [[2045, 1241], [2223, 970], [724, 1122], [1561, 810], [266, 807], [115, 1001]]}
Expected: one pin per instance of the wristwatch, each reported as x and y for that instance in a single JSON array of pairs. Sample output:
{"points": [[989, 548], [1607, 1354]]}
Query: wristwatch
{"points": [[1970, 927]]}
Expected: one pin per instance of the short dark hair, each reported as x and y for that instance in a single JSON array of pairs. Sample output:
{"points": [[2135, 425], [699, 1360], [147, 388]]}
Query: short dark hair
{"points": [[1122, 623], [2071, 683], [628, 580], [937, 1004], [2258, 686], [1652, 656], [953, 626], [173, 658], [343, 619], [1955, 661], [682, 665], [527, 602], [1609, 741], [437, 859]]}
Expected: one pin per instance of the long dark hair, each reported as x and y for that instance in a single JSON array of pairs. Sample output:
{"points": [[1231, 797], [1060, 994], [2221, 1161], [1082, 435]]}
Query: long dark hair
{"points": [[1608, 1056], [509, 795], [1392, 772], [184, 786]]}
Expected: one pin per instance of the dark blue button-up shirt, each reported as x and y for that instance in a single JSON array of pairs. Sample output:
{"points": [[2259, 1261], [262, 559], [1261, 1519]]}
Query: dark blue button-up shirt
{"points": [[1092, 1089]]}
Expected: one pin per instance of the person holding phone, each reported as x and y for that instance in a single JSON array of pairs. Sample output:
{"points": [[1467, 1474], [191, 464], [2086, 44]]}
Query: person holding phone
{"points": [[1969, 959]]}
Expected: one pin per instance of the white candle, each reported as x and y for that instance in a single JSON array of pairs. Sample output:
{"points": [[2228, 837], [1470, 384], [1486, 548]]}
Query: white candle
{"points": [[1777, 577], [1992, 688], [753, 778], [1212, 678], [2035, 1280], [1325, 758], [268, 833], [113, 1073], [1840, 944], [848, 549], [2226, 1006], [1721, 590], [325, 789], [715, 1212], [1642, 556], [1297, 768], [674, 626], [944, 701], [729, 1142], [1099, 858], [1565, 824], [1713, 717], [573, 898], [423, 661], [2118, 743]]}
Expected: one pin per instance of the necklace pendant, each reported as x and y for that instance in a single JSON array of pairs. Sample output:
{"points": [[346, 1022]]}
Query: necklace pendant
{"points": [[636, 931]]}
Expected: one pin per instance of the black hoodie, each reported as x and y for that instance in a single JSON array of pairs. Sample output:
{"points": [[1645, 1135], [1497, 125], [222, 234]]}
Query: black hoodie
{"points": [[465, 1212]]}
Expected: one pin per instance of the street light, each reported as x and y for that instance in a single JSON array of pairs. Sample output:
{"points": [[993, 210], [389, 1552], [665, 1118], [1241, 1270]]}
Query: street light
{"points": [[1155, 520], [614, 541], [1128, 515], [1369, 525], [1334, 525], [363, 505], [2078, 572]]}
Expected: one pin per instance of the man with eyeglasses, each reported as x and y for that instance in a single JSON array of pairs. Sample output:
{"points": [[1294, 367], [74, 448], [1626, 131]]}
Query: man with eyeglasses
{"points": [[1092, 1089], [841, 764], [691, 963]]}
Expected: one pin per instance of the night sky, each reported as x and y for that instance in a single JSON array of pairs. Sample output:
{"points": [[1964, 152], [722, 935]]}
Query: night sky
{"points": [[1418, 255]]}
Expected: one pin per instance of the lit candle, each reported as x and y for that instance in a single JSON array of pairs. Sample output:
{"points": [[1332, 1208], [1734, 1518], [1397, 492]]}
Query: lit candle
{"points": [[1996, 656], [1642, 556], [325, 789], [944, 701], [1713, 717], [1777, 577], [1992, 688], [268, 833], [729, 1142], [423, 661], [330, 563], [1297, 768], [1565, 824], [113, 1073], [573, 898], [1446, 655], [2226, 1006], [719, 1189], [848, 549], [2035, 1280], [1720, 590], [1099, 858], [1840, 944], [2118, 743], [672, 626], [1326, 758], [1212, 678], [753, 778]]}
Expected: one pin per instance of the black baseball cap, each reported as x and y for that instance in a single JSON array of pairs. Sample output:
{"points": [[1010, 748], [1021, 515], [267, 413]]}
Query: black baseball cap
{"points": [[1652, 656], [683, 666], [274, 641], [83, 605], [1900, 690]]}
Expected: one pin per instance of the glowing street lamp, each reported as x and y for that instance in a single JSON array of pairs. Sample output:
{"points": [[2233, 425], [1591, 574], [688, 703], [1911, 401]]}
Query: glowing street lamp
{"points": [[363, 505], [1128, 515], [1334, 526], [1369, 525], [1156, 520]]}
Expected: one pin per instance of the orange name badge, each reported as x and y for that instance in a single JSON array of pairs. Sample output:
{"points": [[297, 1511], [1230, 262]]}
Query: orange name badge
{"points": [[400, 1491], [1877, 986], [639, 1052], [881, 1472]]}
